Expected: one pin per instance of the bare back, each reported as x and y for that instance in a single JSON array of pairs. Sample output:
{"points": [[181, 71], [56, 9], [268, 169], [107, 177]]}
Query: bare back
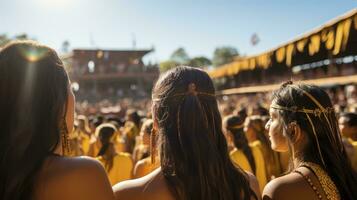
{"points": [[151, 186], [154, 186]]}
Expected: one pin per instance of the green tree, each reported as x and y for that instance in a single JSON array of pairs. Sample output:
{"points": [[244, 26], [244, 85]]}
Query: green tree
{"points": [[180, 56], [200, 62], [223, 55], [22, 36], [167, 65], [4, 39]]}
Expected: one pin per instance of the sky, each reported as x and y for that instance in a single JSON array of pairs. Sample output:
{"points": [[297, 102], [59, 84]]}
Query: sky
{"points": [[199, 26]]}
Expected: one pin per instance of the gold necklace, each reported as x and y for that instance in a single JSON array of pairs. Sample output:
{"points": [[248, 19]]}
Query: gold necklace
{"points": [[308, 179], [325, 181]]}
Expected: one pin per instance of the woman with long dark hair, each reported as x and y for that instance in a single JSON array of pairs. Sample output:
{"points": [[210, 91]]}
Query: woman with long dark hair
{"points": [[119, 166], [193, 153], [36, 115], [247, 156], [304, 123]]}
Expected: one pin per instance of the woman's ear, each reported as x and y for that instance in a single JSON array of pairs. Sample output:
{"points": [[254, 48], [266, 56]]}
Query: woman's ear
{"points": [[297, 135]]}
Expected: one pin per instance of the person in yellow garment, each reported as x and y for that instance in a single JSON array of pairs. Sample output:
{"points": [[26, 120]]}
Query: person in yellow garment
{"points": [[142, 148], [248, 157], [84, 133], [255, 133], [146, 164], [119, 166], [131, 129], [348, 128]]}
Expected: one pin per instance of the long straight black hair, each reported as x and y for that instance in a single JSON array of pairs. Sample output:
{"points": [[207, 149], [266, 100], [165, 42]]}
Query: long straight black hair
{"points": [[33, 101], [337, 165], [239, 139], [193, 150]]}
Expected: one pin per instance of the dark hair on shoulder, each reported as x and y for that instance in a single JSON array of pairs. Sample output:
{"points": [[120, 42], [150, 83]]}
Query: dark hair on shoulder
{"points": [[334, 159], [235, 125], [193, 150], [33, 93]]}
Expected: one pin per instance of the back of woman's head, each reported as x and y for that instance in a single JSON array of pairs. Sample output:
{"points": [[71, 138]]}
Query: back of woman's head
{"points": [[193, 149], [310, 108], [105, 133], [33, 93], [134, 117], [235, 125]]}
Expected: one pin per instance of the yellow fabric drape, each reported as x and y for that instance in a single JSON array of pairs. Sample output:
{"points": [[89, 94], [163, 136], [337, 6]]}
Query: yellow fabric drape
{"points": [[333, 36], [314, 45], [301, 45], [328, 36], [289, 54], [342, 33], [280, 54]]}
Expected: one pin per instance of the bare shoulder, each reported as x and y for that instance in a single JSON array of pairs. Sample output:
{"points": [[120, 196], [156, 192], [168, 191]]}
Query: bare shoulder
{"points": [[82, 177], [253, 183], [151, 186], [75, 167], [283, 187]]}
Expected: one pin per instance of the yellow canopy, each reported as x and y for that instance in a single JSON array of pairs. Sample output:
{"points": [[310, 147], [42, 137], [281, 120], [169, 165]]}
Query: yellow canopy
{"points": [[332, 37]]}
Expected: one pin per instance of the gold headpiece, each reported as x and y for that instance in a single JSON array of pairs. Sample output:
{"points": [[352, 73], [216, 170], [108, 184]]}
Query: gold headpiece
{"points": [[191, 90]]}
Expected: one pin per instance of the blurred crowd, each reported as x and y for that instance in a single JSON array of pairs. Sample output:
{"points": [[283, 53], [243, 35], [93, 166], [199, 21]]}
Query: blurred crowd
{"points": [[118, 133]]}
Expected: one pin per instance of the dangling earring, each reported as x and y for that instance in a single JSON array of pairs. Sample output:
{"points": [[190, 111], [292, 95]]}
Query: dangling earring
{"points": [[153, 145], [66, 148]]}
